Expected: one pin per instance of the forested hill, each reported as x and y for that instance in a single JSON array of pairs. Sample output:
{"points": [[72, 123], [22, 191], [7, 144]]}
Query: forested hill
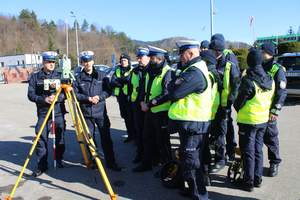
{"points": [[26, 34]]}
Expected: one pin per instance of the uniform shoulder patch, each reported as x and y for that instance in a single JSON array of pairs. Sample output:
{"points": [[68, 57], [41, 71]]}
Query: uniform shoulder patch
{"points": [[282, 84], [178, 81]]}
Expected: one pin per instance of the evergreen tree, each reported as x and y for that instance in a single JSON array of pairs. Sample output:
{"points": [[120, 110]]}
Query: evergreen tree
{"points": [[30, 19], [19, 49], [74, 26], [50, 44], [84, 26], [93, 28], [24, 16], [103, 32], [290, 31], [13, 18]]}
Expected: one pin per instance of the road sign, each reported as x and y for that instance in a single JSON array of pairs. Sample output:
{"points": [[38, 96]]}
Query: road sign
{"points": [[113, 60]]}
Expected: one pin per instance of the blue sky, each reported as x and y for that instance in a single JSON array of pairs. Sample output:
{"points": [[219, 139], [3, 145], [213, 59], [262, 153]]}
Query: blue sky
{"points": [[158, 19]]}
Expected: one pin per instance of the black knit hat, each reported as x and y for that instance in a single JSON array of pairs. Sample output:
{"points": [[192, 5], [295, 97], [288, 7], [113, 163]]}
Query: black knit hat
{"points": [[217, 45], [254, 58], [218, 36], [268, 47], [204, 44], [208, 56], [125, 55]]}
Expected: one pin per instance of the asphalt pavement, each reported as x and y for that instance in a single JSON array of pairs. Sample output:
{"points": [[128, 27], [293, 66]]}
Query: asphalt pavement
{"points": [[75, 182]]}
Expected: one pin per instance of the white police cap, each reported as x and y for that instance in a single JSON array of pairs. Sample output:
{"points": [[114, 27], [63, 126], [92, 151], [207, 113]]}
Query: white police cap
{"points": [[86, 56], [187, 44], [156, 51], [142, 51], [49, 56]]}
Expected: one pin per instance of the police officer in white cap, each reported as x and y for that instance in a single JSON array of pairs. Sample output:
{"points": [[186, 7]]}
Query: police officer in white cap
{"points": [[155, 103], [190, 115], [136, 82], [91, 89], [43, 99]]}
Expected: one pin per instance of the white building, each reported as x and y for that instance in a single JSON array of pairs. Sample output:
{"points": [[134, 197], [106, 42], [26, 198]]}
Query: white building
{"points": [[27, 60]]}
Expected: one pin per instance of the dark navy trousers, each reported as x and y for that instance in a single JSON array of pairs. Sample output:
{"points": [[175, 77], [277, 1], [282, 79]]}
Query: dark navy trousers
{"points": [[272, 142], [42, 144], [230, 138], [126, 113], [103, 125], [191, 147], [139, 117], [251, 144], [155, 133]]}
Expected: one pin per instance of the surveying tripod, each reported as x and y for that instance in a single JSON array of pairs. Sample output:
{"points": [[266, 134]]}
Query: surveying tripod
{"points": [[83, 136]]}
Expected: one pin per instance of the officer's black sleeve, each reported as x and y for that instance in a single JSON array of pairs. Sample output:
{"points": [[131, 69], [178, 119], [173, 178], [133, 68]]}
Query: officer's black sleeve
{"points": [[106, 89], [280, 92], [130, 86], [234, 84], [186, 83], [163, 97], [31, 94], [79, 95], [246, 92], [114, 81]]}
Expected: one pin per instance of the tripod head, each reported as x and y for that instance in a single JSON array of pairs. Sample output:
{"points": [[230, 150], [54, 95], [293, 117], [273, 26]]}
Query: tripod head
{"points": [[65, 66]]}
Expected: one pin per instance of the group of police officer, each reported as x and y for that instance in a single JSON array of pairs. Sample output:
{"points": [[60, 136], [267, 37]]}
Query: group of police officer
{"points": [[194, 100]]}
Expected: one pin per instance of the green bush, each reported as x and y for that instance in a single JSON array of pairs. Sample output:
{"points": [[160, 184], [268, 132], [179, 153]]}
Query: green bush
{"points": [[288, 47], [241, 55], [242, 61], [240, 51]]}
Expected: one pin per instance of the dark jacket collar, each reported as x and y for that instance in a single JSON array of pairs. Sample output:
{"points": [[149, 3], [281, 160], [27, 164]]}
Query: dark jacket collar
{"points": [[191, 62], [260, 77], [268, 64]]}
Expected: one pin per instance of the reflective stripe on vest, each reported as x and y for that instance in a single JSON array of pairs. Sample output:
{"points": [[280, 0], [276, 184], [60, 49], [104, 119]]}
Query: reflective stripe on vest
{"points": [[226, 51], [135, 83], [194, 107], [156, 89], [125, 87], [226, 85], [256, 110], [215, 95], [274, 69]]}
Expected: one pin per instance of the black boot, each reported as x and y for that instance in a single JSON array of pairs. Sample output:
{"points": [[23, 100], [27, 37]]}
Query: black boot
{"points": [[207, 178]]}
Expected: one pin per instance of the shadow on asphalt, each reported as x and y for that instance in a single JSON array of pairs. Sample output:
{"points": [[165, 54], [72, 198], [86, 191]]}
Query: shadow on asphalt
{"points": [[123, 183]]}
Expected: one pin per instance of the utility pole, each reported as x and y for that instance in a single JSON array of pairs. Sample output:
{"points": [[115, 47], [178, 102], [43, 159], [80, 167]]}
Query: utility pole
{"points": [[212, 13], [76, 34]]}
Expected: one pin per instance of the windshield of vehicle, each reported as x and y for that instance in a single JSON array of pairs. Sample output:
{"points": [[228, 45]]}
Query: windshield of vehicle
{"points": [[290, 62]]}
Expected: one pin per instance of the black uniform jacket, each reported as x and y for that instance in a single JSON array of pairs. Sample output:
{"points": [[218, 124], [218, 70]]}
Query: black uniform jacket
{"points": [[140, 72], [119, 82], [234, 79], [280, 83], [155, 71], [89, 85], [37, 94]]}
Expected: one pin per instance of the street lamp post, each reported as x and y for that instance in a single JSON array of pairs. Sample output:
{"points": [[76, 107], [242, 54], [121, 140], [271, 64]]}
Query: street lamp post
{"points": [[212, 13], [76, 34]]}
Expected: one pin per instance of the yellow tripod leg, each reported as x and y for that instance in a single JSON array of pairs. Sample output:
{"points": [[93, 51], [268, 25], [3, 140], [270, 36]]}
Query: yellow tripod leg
{"points": [[76, 125], [91, 144], [34, 144]]}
